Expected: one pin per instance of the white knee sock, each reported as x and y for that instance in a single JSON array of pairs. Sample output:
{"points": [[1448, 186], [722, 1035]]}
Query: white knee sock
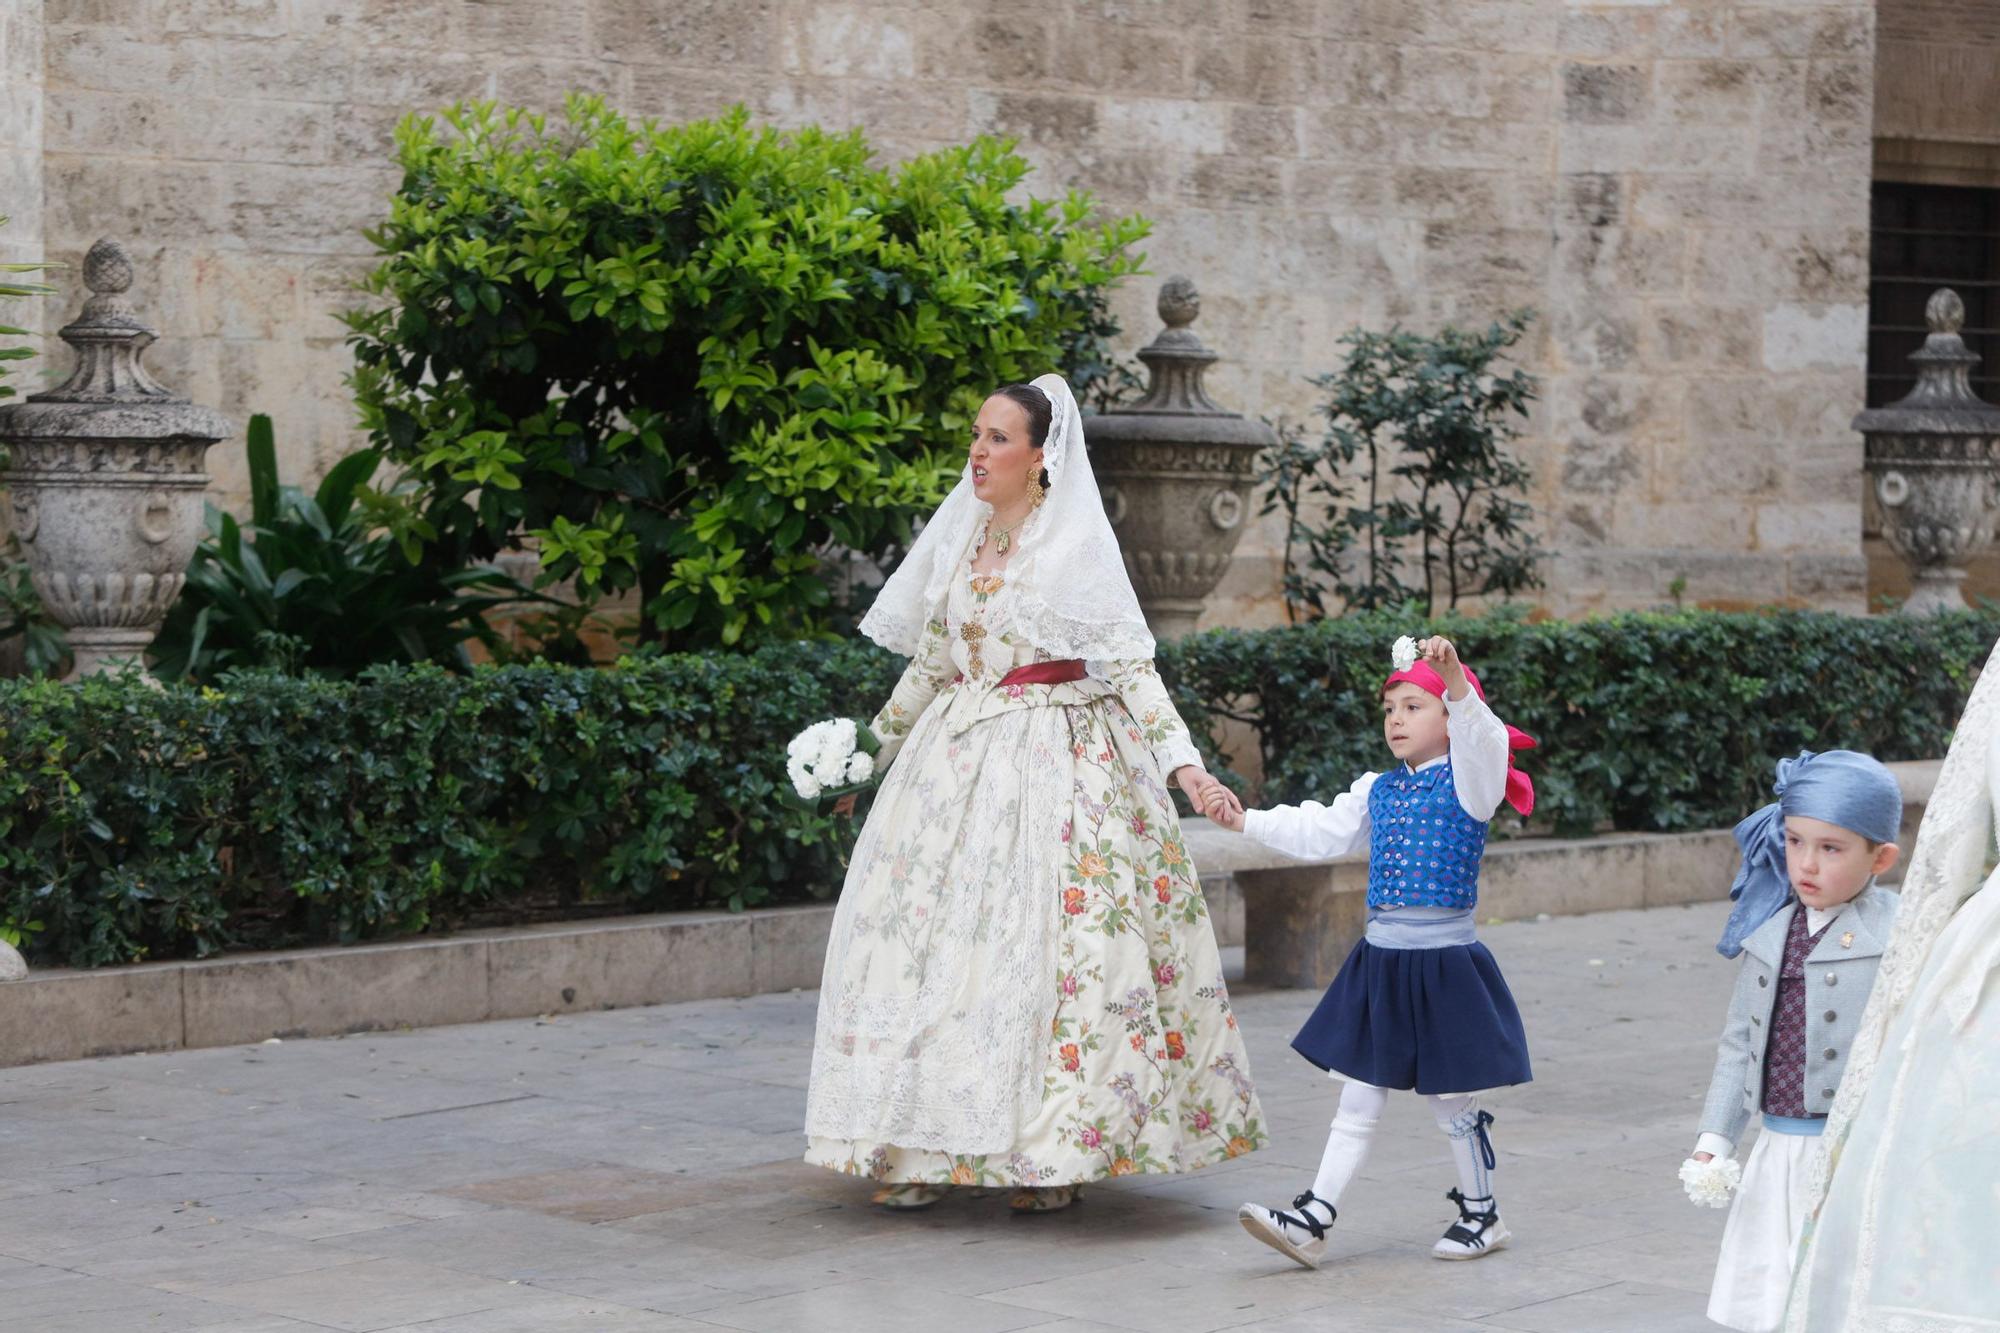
{"points": [[1347, 1143], [1465, 1123]]}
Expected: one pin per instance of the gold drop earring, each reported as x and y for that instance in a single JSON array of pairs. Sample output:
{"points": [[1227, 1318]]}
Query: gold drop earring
{"points": [[1036, 491]]}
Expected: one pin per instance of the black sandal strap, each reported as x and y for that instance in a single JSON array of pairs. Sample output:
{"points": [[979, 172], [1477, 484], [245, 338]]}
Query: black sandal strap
{"points": [[1487, 1218], [1305, 1219]]}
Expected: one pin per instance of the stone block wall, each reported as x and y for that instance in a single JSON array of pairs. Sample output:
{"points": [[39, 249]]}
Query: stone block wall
{"points": [[21, 161], [1680, 187]]}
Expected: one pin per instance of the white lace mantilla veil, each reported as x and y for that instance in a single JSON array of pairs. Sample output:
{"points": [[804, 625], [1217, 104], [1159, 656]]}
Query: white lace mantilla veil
{"points": [[1896, 1226], [1073, 597]]}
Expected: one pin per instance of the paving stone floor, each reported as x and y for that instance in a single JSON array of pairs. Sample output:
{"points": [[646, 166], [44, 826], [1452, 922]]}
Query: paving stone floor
{"points": [[638, 1172]]}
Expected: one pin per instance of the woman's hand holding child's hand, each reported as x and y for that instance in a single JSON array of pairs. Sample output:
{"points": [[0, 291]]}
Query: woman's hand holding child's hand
{"points": [[1224, 808]]}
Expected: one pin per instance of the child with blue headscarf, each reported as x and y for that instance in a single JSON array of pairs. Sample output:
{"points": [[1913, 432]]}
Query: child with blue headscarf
{"points": [[1811, 926]]}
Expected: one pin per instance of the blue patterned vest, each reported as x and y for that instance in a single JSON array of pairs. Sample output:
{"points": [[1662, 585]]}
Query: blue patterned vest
{"points": [[1423, 849]]}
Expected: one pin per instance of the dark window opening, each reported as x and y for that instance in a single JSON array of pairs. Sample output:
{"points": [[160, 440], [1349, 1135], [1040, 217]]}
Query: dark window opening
{"points": [[1925, 237]]}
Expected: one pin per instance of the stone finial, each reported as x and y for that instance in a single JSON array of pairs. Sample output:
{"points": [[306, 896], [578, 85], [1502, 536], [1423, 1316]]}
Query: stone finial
{"points": [[108, 337], [107, 271], [1945, 312], [107, 268], [1944, 363], [1176, 359], [1179, 302]]}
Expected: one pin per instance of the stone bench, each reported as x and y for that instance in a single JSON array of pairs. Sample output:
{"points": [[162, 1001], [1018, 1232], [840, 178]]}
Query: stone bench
{"points": [[1299, 919]]}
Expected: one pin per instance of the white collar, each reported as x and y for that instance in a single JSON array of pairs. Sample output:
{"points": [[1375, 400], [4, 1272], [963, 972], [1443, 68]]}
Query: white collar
{"points": [[1428, 763]]}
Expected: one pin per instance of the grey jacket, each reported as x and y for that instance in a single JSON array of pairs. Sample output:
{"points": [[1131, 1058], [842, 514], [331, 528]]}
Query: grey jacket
{"points": [[1840, 971]]}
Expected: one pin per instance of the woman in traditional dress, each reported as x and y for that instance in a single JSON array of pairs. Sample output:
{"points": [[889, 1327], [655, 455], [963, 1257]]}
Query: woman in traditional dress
{"points": [[1022, 988], [1906, 1194]]}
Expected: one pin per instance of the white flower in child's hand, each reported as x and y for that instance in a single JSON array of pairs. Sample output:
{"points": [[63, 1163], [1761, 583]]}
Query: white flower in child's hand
{"points": [[1709, 1184], [1404, 653]]}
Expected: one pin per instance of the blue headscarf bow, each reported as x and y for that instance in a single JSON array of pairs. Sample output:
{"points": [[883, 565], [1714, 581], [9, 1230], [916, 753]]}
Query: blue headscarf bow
{"points": [[1838, 786]]}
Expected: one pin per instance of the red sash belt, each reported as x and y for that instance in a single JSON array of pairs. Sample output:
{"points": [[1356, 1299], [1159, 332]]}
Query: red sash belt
{"points": [[1042, 673]]}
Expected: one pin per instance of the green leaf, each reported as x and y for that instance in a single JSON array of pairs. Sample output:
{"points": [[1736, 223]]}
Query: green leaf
{"points": [[261, 447]]}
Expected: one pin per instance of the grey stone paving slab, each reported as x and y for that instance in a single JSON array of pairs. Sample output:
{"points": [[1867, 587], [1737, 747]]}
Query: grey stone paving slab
{"points": [[192, 1258], [374, 1294], [867, 1306], [336, 1208], [558, 1315], [504, 1244], [1169, 1296], [637, 1171], [1646, 1253], [78, 1303], [1407, 1274], [689, 1279], [39, 1226], [1361, 1317], [1622, 1307]]}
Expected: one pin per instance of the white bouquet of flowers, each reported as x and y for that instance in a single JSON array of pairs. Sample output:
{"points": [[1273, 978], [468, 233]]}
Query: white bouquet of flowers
{"points": [[829, 760], [1709, 1184]]}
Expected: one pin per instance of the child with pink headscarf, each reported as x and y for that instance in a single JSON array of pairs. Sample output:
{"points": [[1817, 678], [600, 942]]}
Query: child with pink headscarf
{"points": [[1419, 1004]]}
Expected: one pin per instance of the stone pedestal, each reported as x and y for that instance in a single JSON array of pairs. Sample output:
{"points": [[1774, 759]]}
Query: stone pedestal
{"points": [[1176, 472], [106, 480]]}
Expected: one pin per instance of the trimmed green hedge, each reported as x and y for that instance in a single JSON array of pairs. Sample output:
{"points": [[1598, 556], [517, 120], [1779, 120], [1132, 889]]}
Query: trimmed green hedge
{"points": [[139, 822], [1647, 721]]}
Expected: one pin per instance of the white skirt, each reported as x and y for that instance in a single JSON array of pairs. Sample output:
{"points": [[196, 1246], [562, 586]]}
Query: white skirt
{"points": [[1761, 1239]]}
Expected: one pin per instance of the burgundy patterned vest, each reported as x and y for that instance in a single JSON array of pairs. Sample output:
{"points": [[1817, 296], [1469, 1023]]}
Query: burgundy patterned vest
{"points": [[1785, 1058]]}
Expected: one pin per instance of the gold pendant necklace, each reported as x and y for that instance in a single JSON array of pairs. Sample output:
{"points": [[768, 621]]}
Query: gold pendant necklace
{"points": [[1003, 540]]}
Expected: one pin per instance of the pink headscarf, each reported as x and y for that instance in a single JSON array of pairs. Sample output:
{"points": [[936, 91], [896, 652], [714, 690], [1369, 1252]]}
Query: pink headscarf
{"points": [[1520, 787]]}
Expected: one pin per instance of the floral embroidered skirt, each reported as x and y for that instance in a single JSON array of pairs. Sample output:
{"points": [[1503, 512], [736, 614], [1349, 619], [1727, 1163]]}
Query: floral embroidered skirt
{"points": [[1022, 985]]}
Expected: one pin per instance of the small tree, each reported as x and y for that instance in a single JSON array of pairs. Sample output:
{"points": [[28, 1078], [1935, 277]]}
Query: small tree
{"points": [[1413, 476], [696, 359]]}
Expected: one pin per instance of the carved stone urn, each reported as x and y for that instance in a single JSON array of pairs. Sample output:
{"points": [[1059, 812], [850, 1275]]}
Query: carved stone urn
{"points": [[1175, 471], [105, 479], [1933, 463]]}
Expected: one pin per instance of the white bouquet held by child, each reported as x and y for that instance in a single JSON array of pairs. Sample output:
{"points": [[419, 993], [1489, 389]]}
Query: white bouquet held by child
{"points": [[1710, 1184], [831, 759]]}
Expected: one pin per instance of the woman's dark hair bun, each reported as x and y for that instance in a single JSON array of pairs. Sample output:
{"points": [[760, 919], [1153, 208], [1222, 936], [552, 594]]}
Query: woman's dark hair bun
{"points": [[1036, 404]]}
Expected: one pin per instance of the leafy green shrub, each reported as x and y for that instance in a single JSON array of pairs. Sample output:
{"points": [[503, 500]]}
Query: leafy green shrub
{"points": [[1647, 721], [692, 359], [44, 646], [315, 582], [139, 822]]}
